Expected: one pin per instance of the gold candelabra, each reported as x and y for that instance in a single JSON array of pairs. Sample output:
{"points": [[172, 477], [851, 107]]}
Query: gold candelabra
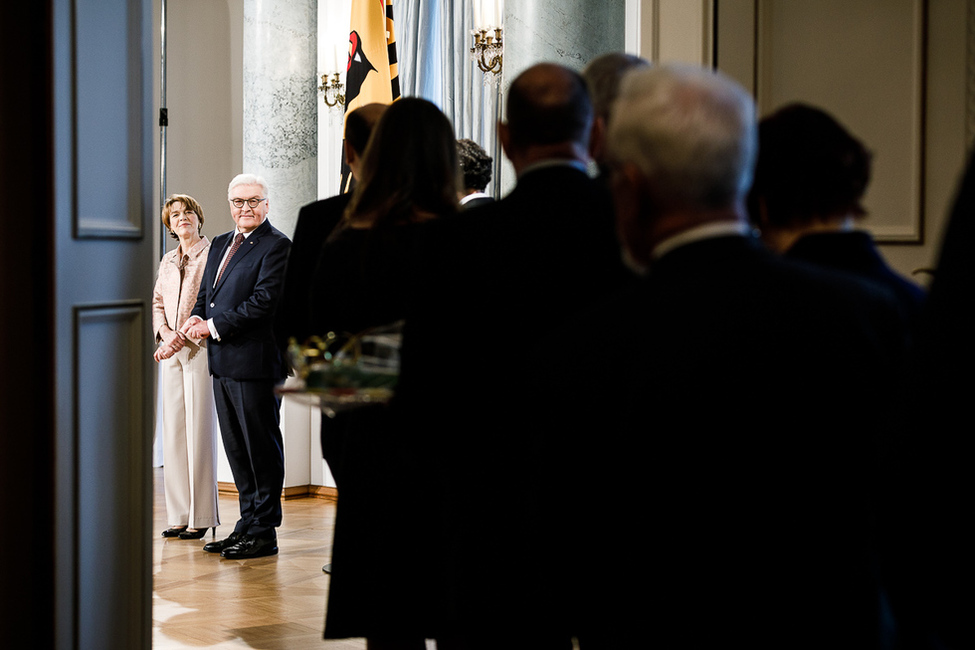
{"points": [[332, 89], [488, 50]]}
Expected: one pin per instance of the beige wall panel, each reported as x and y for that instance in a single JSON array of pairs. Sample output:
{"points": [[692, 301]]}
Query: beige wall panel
{"points": [[681, 31], [863, 62], [945, 141], [734, 40], [205, 100]]}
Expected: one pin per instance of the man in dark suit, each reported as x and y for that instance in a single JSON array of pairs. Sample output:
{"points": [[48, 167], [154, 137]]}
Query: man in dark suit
{"points": [[235, 310], [493, 283], [738, 398], [475, 166], [315, 223], [603, 75]]}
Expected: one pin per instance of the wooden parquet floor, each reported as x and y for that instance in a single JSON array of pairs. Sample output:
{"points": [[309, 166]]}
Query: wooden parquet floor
{"points": [[200, 600]]}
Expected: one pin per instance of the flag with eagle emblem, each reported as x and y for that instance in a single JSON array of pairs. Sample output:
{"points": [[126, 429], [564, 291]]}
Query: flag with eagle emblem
{"points": [[372, 74]]}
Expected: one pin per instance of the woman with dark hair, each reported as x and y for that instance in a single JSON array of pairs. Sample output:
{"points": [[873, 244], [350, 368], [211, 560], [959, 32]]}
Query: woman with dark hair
{"points": [[188, 429], [409, 176]]}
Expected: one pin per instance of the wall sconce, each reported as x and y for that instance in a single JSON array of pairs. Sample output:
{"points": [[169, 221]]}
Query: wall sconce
{"points": [[332, 89], [488, 48]]}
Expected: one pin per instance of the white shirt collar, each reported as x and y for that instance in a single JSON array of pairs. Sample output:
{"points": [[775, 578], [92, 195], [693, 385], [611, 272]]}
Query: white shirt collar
{"points": [[704, 231], [554, 162], [474, 195]]}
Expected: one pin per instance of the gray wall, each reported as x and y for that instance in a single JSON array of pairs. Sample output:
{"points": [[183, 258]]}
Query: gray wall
{"points": [[205, 102]]}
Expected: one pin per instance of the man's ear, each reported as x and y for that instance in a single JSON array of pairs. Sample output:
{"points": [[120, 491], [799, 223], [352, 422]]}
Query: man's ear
{"points": [[504, 136], [633, 218], [760, 215], [597, 138], [348, 152]]}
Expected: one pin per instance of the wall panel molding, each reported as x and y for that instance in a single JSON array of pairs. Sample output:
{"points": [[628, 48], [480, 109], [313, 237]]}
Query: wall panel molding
{"points": [[680, 31], [864, 62], [108, 92], [970, 74], [110, 450]]}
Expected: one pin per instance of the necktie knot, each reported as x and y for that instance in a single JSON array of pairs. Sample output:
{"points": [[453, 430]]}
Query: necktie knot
{"points": [[238, 240]]}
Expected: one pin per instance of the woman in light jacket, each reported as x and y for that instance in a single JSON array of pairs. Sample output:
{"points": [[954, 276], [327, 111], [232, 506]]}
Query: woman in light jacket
{"points": [[188, 425]]}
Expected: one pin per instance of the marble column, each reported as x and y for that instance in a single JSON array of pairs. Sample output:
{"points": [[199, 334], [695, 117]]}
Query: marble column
{"points": [[280, 119], [280, 142], [569, 32]]}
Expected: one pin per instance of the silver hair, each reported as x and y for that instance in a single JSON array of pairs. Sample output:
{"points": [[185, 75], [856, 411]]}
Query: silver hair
{"points": [[248, 179], [603, 75], [691, 131]]}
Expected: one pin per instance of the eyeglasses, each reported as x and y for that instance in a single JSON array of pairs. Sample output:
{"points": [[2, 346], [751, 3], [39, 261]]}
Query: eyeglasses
{"points": [[239, 203]]}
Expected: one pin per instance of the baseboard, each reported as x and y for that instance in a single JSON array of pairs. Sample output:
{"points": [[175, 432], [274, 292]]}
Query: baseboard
{"points": [[288, 493]]}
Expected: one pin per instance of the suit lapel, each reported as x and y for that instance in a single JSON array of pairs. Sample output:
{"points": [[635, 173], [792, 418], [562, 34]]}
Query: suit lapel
{"points": [[249, 244]]}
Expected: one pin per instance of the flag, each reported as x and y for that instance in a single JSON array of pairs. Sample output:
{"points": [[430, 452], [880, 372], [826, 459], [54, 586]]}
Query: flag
{"points": [[372, 73]]}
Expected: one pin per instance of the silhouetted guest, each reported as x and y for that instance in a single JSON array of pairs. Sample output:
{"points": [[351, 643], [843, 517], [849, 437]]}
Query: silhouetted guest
{"points": [[493, 283], [475, 165], [315, 223], [407, 180], [934, 599], [807, 197], [603, 75], [719, 416]]}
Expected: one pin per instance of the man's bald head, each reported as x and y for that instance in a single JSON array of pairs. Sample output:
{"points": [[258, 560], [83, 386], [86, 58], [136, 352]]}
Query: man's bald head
{"points": [[359, 123], [549, 104], [358, 129]]}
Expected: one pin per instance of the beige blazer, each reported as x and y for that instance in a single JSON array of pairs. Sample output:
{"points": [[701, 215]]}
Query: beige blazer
{"points": [[175, 293]]}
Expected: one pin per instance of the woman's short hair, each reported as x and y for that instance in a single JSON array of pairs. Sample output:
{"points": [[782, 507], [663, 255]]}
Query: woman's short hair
{"points": [[409, 167], [808, 167], [475, 165], [189, 203]]}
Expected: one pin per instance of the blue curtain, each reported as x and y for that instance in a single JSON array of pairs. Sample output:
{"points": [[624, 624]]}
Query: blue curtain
{"points": [[433, 41]]}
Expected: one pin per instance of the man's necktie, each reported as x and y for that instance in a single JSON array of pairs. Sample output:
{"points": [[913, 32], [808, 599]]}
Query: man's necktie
{"points": [[238, 240]]}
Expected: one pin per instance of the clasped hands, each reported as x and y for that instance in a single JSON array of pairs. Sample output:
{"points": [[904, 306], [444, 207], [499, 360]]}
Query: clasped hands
{"points": [[173, 341]]}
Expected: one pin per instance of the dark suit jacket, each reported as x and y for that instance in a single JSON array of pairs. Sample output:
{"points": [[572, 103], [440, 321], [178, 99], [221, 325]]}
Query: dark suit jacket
{"points": [[490, 284], [935, 560], [724, 428], [855, 252], [474, 203], [315, 223], [243, 304]]}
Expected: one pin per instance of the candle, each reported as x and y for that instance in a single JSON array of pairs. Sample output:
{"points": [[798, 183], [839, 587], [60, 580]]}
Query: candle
{"points": [[476, 13]]}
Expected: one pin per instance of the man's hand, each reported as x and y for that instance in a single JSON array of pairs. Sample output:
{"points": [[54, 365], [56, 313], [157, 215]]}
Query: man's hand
{"points": [[195, 328]]}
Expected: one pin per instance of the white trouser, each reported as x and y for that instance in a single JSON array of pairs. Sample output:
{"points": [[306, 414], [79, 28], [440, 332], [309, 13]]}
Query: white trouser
{"points": [[189, 439]]}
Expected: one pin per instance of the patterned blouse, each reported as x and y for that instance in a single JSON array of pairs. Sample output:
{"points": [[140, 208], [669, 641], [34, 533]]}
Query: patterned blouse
{"points": [[177, 286]]}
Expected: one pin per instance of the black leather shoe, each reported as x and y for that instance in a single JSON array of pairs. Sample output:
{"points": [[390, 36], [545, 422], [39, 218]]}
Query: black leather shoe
{"points": [[219, 546], [250, 547], [199, 533], [173, 532]]}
